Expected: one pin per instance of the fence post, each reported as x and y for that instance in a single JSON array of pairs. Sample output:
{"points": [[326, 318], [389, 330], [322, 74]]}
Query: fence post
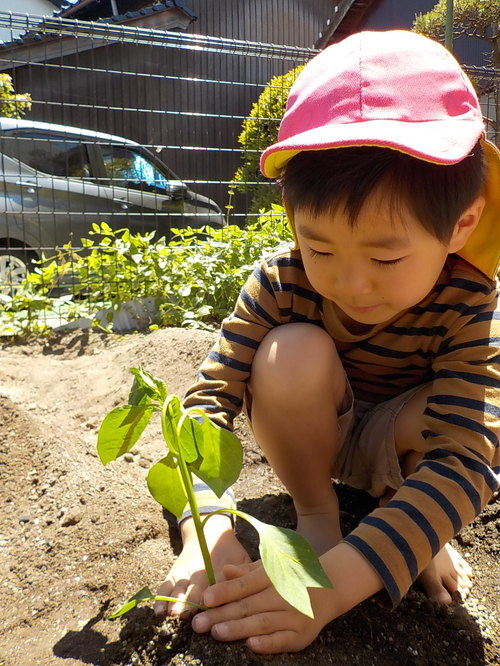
{"points": [[448, 33]]}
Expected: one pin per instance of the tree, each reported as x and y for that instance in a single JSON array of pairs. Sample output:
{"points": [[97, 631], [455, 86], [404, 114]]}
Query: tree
{"points": [[260, 130], [12, 104], [472, 18]]}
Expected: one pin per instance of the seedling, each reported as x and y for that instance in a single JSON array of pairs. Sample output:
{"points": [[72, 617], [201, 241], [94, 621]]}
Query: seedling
{"points": [[198, 446]]}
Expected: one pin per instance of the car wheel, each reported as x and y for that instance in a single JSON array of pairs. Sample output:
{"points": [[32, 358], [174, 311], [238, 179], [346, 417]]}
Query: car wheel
{"points": [[13, 269]]}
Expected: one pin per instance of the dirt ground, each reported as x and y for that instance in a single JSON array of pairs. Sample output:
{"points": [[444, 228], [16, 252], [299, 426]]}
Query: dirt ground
{"points": [[77, 539]]}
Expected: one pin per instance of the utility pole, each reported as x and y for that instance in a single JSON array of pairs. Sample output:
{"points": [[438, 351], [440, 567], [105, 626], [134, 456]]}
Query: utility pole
{"points": [[448, 33]]}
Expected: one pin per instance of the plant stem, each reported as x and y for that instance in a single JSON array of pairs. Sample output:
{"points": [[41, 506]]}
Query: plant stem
{"points": [[233, 512], [159, 597], [188, 487], [187, 482]]}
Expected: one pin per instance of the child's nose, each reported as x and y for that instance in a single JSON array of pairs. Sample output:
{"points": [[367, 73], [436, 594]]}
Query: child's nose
{"points": [[352, 281]]}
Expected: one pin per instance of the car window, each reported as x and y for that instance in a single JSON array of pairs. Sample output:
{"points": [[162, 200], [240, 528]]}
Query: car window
{"points": [[129, 168], [52, 155]]}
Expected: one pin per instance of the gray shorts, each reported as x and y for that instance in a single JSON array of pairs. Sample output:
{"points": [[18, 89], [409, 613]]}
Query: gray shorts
{"points": [[367, 456]]}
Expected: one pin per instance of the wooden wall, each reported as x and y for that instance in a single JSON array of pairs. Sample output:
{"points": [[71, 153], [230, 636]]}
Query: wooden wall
{"points": [[191, 101]]}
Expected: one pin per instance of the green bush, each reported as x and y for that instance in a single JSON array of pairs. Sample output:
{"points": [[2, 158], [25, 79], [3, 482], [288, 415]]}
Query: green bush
{"points": [[259, 131], [205, 278], [195, 279], [12, 104]]}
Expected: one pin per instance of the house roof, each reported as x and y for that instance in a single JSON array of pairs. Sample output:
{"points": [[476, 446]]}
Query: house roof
{"points": [[90, 10], [346, 19], [46, 40]]}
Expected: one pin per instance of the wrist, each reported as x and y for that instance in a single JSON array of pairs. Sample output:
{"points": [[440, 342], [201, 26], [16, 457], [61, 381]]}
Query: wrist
{"points": [[214, 528], [353, 579]]}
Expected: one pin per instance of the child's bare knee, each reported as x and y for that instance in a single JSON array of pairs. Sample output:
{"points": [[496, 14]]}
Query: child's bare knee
{"points": [[296, 354]]}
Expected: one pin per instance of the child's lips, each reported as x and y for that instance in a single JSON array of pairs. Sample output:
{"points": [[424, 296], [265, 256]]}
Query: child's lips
{"points": [[363, 308]]}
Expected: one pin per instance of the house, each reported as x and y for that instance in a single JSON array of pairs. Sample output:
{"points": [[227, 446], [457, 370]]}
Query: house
{"points": [[290, 22], [180, 75], [38, 44], [36, 7], [182, 95]]}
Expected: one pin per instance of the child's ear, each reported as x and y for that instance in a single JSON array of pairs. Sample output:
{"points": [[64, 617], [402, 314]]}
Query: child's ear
{"points": [[466, 224]]}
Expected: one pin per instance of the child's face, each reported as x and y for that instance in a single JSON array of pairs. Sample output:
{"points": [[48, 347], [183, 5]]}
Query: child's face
{"points": [[386, 264]]}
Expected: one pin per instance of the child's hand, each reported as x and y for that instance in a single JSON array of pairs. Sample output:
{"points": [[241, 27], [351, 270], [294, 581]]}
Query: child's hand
{"points": [[248, 607], [187, 578]]}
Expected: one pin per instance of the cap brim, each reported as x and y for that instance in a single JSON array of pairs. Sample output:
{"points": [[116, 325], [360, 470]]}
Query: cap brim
{"points": [[440, 142]]}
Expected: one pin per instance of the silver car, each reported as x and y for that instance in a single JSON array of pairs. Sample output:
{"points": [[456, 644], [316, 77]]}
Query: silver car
{"points": [[56, 181]]}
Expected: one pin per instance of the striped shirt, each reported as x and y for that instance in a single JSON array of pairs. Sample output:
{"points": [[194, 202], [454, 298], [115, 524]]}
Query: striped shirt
{"points": [[450, 339]]}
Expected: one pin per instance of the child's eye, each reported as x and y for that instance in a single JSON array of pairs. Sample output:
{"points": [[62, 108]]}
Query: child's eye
{"points": [[389, 262], [316, 254]]}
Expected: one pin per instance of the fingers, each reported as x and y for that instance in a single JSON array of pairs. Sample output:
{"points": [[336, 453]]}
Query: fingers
{"points": [[241, 581], [232, 571], [246, 606], [247, 616], [268, 632], [243, 608], [265, 623], [165, 590], [183, 590], [279, 641]]}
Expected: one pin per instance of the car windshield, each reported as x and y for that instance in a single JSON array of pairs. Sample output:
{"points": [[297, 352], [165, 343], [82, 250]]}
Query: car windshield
{"points": [[128, 168]]}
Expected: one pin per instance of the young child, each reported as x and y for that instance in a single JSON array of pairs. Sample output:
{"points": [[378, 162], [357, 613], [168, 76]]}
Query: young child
{"points": [[369, 352]]}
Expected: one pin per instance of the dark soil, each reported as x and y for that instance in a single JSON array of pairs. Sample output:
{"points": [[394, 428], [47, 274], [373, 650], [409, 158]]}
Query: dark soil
{"points": [[77, 539]]}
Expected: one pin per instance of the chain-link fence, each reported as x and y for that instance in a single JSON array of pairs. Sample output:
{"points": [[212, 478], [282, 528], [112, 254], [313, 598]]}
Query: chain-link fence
{"points": [[136, 128], [132, 127], [487, 83]]}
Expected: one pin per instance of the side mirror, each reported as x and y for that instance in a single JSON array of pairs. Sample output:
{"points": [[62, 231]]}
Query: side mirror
{"points": [[177, 189]]}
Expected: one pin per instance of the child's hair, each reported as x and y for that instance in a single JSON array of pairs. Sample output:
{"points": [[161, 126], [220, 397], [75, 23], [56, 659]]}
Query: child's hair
{"points": [[320, 181]]}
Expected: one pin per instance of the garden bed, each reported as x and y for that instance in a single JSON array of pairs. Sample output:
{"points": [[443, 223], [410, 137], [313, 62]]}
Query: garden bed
{"points": [[77, 539]]}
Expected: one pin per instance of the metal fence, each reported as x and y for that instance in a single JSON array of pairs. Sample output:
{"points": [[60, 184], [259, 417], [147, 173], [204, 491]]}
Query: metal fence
{"points": [[183, 96], [158, 144], [487, 83]]}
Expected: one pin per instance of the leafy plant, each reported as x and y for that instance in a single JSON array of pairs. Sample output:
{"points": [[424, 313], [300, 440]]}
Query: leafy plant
{"points": [[12, 104], [194, 280], [30, 310], [260, 130], [199, 447], [205, 278]]}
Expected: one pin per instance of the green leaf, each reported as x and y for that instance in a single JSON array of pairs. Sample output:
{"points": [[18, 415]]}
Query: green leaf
{"points": [[121, 429], [191, 438], [137, 395], [143, 595], [165, 485], [146, 388], [171, 415], [221, 456], [290, 562], [146, 595], [183, 435]]}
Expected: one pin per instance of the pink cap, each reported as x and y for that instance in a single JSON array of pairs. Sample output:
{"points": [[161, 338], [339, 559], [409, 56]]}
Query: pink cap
{"points": [[394, 89]]}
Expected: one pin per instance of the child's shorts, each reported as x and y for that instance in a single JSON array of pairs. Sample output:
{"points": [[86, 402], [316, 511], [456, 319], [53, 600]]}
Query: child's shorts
{"points": [[367, 456]]}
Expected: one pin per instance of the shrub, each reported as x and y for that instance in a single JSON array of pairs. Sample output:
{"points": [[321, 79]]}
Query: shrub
{"points": [[194, 279], [259, 131], [12, 104]]}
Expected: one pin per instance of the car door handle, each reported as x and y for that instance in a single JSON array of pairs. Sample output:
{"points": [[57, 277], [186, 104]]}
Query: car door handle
{"points": [[31, 186]]}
